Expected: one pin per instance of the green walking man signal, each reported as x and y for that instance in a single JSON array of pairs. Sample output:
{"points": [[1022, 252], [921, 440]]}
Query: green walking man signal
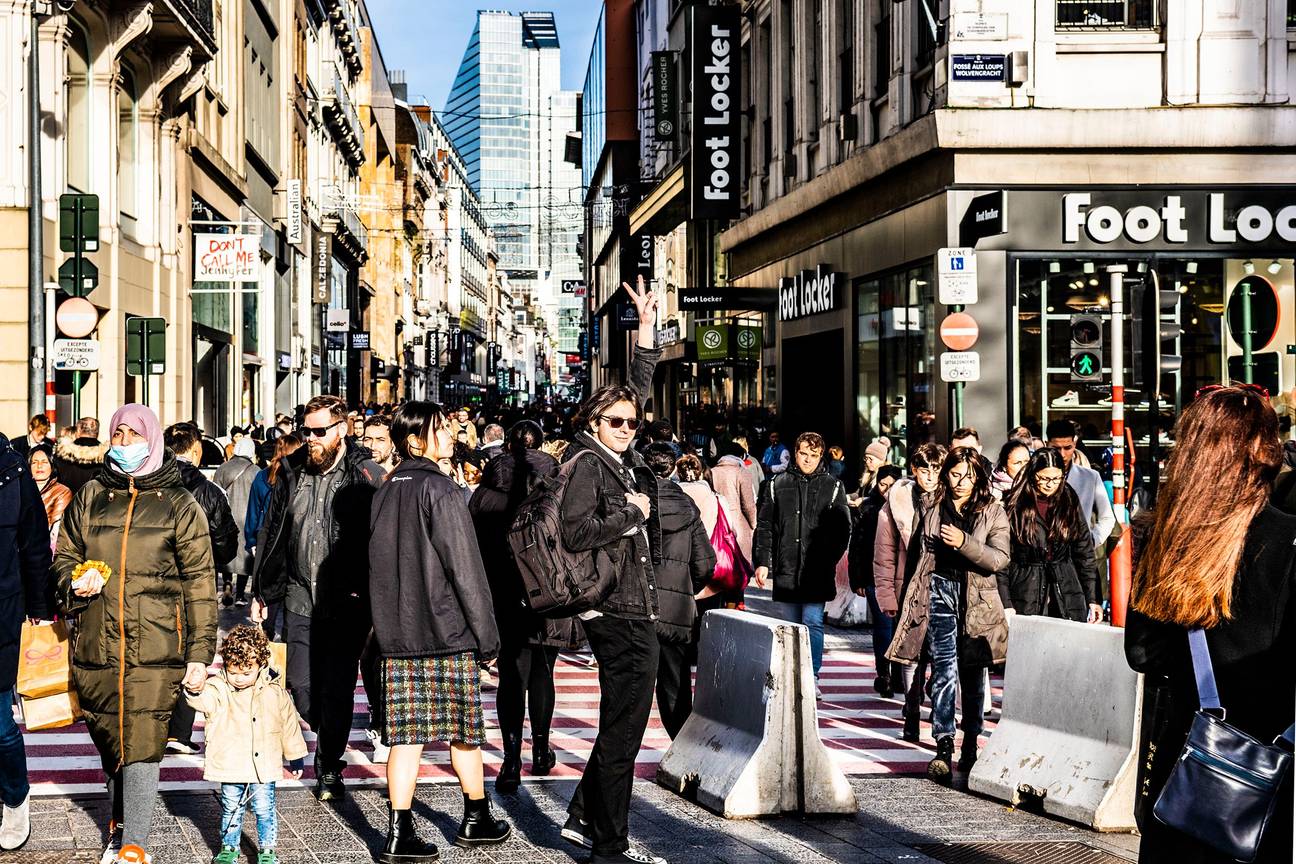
{"points": [[1086, 348]]}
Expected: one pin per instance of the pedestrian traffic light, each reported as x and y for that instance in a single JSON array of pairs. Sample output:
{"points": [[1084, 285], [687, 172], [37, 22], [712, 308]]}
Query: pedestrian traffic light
{"points": [[1161, 332], [1086, 348]]}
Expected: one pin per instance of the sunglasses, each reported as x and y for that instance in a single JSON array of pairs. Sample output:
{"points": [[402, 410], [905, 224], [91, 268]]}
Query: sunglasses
{"points": [[1251, 388], [320, 431], [617, 422]]}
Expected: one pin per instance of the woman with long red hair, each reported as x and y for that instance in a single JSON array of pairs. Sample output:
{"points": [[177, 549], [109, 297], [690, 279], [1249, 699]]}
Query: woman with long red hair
{"points": [[1218, 557]]}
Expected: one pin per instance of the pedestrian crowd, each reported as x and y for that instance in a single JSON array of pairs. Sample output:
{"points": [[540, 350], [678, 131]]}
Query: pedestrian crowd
{"points": [[382, 544]]}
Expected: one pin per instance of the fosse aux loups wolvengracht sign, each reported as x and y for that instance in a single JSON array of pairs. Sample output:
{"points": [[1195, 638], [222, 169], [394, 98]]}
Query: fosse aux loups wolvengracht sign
{"points": [[715, 185]]}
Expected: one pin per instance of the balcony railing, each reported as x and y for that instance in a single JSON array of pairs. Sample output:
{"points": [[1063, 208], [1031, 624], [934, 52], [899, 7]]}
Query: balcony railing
{"points": [[193, 16], [343, 121]]}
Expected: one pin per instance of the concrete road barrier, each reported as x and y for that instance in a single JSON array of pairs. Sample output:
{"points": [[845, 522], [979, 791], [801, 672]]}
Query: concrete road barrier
{"points": [[1069, 733], [751, 747]]}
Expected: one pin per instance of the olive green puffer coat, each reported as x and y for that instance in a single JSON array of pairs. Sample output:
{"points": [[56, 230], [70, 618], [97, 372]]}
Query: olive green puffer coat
{"points": [[156, 613]]}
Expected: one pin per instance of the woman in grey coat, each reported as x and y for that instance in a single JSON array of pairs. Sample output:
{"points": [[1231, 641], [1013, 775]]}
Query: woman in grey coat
{"points": [[235, 478]]}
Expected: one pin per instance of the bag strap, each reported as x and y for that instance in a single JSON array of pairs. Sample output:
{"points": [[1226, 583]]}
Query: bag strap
{"points": [[1203, 671]]}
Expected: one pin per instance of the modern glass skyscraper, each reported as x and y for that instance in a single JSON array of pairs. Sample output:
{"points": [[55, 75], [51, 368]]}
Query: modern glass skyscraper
{"points": [[508, 118]]}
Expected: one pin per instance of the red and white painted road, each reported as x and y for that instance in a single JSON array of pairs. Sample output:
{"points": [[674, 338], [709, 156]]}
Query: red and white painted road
{"points": [[859, 728]]}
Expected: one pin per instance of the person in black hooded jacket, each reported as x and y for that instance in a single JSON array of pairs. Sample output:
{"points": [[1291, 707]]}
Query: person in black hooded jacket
{"points": [[529, 644], [802, 529], [684, 563]]}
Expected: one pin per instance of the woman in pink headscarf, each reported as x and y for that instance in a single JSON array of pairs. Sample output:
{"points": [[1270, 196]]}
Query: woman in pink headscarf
{"points": [[134, 567]]}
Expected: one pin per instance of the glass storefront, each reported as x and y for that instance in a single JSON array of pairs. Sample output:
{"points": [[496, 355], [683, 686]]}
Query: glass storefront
{"points": [[895, 394]]}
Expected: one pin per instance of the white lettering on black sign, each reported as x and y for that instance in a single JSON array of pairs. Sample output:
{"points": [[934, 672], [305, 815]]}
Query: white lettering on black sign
{"points": [[810, 293], [716, 73]]}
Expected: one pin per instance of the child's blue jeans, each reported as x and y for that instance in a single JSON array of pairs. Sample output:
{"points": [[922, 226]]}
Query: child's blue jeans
{"points": [[234, 799]]}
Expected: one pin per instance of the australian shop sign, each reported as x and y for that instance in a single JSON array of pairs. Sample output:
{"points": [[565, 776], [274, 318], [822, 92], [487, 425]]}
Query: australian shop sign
{"points": [[812, 292], [714, 165]]}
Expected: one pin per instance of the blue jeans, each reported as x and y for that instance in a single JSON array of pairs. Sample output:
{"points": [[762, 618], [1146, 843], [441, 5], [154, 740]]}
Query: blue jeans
{"points": [[234, 798], [812, 616], [883, 630], [943, 634], [13, 757]]}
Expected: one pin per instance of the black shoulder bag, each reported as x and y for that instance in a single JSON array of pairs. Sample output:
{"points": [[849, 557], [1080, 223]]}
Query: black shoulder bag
{"points": [[1224, 787]]}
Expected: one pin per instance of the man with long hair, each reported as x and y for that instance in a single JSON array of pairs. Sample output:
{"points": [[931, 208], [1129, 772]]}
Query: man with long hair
{"points": [[313, 556]]}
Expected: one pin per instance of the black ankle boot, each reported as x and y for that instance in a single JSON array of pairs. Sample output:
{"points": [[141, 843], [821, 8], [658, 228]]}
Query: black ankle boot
{"points": [[403, 845], [967, 755], [938, 769], [542, 758], [910, 732], [479, 827], [510, 772]]}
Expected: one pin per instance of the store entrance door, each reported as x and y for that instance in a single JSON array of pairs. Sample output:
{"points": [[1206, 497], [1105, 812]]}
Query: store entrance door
{"points": [[813, 388]]}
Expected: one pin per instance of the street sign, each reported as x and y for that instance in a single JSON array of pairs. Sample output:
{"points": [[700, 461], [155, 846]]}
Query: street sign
{"points": [[956, 276], [959, 331], [145, 347], [337, 320], [78, 223], [76, 355], [958, 366], [76, 317]]}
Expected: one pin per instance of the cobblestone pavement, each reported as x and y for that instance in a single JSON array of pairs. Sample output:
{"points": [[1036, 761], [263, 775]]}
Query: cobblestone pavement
{"points": [[896, 815]]}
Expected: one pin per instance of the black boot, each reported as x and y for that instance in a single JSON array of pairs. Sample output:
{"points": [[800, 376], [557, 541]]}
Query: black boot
{"points": [[403, 845], [510, 772], [967, 755], [479, 827], [910, 732], [938, 769], [542, 758]]}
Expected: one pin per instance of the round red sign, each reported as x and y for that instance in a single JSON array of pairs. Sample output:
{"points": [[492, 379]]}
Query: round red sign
{"points": [[959, 331]]}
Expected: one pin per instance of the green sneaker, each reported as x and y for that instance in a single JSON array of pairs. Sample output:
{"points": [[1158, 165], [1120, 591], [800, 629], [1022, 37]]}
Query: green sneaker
{"points": [[267, 856], [227, 855]]}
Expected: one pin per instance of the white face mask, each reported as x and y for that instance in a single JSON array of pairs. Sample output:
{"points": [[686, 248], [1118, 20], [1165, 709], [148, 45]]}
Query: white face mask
{"points": [[129, 457]]}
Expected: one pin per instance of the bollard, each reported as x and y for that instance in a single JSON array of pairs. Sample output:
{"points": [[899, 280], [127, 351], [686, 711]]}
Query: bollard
{"points": [[751, 746]]}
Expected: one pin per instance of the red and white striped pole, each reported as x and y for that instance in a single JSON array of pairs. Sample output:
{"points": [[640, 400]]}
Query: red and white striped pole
{"points": [[1120, 564], [50, 404]]}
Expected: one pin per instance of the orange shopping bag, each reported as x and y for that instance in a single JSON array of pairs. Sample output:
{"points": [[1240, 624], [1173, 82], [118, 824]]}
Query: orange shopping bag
{"points": [[51, 712], [43, 660]]}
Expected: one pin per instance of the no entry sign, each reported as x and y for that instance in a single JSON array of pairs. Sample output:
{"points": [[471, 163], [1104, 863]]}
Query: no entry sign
{"points": [[959, 331]]}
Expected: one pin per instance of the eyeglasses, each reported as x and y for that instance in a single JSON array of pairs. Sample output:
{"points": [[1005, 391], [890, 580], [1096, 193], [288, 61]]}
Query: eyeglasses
{"points": [[1048, 481], [617, 422], [320, 431], [1252, 388]]}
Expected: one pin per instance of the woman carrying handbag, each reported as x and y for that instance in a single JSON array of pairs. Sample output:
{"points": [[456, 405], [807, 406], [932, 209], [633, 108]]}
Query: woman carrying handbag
{"points": [[1217, 569]]}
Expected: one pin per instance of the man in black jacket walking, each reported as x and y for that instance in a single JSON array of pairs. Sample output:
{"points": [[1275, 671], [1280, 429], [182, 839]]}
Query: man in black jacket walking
{"points": [[185, 441], [313, 557], [802, 529]]}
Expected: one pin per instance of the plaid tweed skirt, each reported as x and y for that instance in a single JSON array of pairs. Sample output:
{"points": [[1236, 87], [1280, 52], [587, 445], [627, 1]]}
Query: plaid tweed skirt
{"points": [[433, 699]]}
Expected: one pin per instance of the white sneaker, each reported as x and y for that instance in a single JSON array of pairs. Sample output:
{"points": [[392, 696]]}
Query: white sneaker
{"points": [[1067, 400], [639, 855], [133, 855], [380, 749], [111, 851], [818, 692], [16, 825]]}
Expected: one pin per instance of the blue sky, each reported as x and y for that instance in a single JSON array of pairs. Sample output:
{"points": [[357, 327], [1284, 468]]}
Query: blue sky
{"points": [[426, 38]]}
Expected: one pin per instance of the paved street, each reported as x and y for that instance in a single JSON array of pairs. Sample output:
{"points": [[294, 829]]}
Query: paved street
{"points": [[900, 815]]}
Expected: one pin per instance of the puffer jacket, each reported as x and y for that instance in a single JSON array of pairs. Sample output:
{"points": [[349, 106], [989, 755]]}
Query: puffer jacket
{"points": [[220, 521], [426, 573], [1066, 569], [342, 585], [986, 550], [250, 732], [235, 478], [683, 565], [156, 613], [897, 521], [25, 587], [597, 516], [77, 461], [802, 530], [863, 540], [493, 505]]}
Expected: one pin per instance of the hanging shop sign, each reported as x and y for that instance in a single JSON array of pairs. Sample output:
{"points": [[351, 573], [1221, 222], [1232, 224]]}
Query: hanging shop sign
{"points": [[712, 342], [665, 94], [360, 340], [227, 257], [983, 218], [717, 299], [573, 287], [747, 342], [293, 224], [323, 256], [812, 292], [337, 320], [627, 316], [714, 191]]}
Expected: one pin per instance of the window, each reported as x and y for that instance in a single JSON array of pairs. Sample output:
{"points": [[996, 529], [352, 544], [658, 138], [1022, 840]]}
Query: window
{"points": [[816, 59], [1109, 14], [882, 50], [127, 150], [846, 73], [76, 109], [767, 89], [789, 77], [924, 33]]}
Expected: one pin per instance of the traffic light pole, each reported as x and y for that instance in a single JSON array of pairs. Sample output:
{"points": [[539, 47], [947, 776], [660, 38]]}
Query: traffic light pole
{"points": [[1248, 362], [1120, 564], [35, 232]]}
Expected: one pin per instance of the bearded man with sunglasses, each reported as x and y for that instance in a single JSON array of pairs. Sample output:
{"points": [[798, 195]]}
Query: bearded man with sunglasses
{"points": [[313, 557]]}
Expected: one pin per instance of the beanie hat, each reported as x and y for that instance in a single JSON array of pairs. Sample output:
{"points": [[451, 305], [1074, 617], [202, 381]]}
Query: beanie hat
{"points": [[879, 449]]}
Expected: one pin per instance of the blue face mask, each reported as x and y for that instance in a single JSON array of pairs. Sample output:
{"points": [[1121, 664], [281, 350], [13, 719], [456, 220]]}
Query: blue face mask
{"points": [[129, 457]]}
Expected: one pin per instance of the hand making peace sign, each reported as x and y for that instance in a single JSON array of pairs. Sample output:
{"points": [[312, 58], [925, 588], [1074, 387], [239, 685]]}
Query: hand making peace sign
{"points": [[644, 299]]}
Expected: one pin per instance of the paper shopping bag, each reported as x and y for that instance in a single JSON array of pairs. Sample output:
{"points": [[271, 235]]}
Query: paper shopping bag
{"points": [[279, 657], [51, 712], [43, 667]]}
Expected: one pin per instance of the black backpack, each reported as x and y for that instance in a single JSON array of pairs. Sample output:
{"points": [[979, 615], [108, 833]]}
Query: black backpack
{"points": [[556, 582]]}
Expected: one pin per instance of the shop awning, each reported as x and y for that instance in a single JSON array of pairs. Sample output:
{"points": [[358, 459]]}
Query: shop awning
{"points": [[664, 207]]}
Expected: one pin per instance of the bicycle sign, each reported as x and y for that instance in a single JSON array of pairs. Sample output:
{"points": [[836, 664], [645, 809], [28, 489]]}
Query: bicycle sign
{"points": [[76, 355]]}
